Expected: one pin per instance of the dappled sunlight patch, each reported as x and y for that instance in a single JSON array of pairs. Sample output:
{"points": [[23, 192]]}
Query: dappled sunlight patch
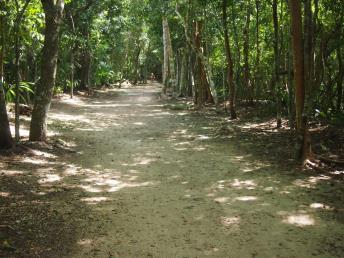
{"points": [[23, 131], [102, 181], [85, 242], [34, 161], [299, 220], [140, 161], [284, 192], [180, 149], [212, 251], [50, 178], [128, 185], [5, 194], [247, 169], [320, 206], [243, 184], [311, 182], [138, 123], [246, 198], [38, 193], [90, 188], [202, 137], [113, 105], [93, 129], [235, 183], [230, 221], [94, 200], [108, 181], [269, 189], [182, 143], [70, 117], [221, 199], [200, 217], [11, 172], [72, 170]]}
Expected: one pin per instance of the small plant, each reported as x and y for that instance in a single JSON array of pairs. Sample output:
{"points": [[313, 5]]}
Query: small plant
{"points": [[25, 92]]}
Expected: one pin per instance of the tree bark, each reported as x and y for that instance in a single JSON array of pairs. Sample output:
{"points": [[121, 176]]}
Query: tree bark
{"points": [[17, 41], [340, 81], [53, 10], [303, 147], [168, 67], [277, 64], [6, 140], [257, 75], [202, 89], [247, 81], [230, 70]]}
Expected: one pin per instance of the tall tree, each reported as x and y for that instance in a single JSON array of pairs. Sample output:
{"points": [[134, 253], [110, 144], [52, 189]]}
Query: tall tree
{"points": [[53, 10], [202, 87], [303, 146], [277, 63], [20, 11], [230, 70], [168, 68], [247, 79], [5, 132]]}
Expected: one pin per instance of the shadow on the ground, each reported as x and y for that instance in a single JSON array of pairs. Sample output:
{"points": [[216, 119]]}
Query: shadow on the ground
{"points": [[54, 202]]}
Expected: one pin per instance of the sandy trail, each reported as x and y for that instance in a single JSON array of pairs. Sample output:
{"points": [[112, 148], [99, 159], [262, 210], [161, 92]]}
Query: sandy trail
{"points": [[147, 181]]}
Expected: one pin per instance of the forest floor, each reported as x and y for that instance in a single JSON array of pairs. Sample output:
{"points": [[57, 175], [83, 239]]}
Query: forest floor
{"points": [[129, 174]]}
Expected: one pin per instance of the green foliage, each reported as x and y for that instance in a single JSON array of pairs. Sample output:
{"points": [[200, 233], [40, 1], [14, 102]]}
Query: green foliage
{"points": [[25, 92]]}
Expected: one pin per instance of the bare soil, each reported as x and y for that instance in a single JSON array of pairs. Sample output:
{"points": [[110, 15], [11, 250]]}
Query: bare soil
{"points": [[128, 174]]}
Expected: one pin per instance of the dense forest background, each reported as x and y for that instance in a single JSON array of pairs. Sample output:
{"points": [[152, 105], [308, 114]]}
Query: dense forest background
{"points": [[287, 55], [171, 128]]}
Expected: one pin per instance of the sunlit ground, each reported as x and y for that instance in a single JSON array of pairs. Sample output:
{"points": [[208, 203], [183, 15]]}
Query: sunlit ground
{"points": [[137, 178]]}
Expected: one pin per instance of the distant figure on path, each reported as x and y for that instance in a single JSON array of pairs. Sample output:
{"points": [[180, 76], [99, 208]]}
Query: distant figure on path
{"points": [[152, 77]]}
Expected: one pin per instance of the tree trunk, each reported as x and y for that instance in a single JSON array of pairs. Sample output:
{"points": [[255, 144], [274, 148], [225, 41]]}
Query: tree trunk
{"points": [[168, 69], [230, 70], [277, 64], [19, 18], [257, 76], [136, 72], [303, 147], [6, 141], [291, 104], [248, 86], [202, 89], [85, 69], [340, 81], [53, 10], [17, 79]]}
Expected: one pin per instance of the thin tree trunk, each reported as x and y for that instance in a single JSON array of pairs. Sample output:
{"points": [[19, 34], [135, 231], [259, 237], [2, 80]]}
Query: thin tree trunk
{"points": [[17, 82], [17, 41], [238, 52], [303, 147], [291, 105], [72, 59], [340, 81], [248, 85], [53, 10], [6, 140], [277, 64], [257, 76], [169, 74], [230, 70]]}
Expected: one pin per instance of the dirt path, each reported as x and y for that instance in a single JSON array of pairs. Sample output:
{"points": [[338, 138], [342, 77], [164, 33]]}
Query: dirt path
{"points": [[146, 181]]}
